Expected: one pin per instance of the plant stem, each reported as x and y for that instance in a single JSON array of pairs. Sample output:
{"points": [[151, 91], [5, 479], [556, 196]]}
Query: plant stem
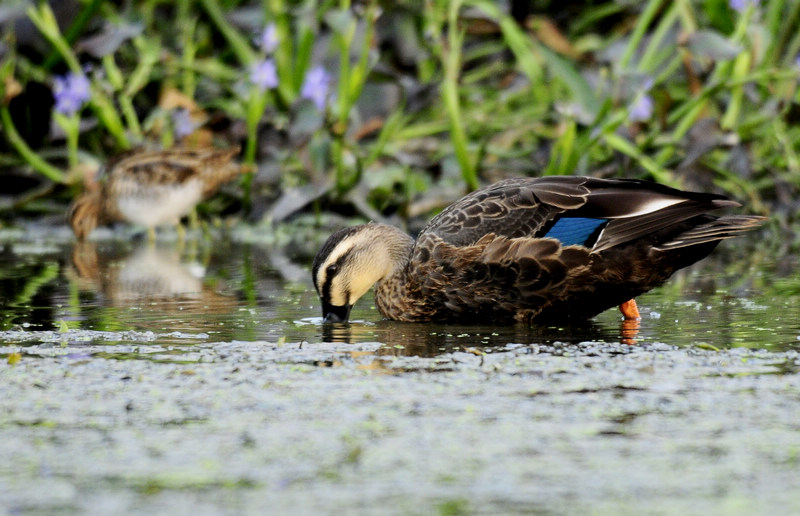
{"points": [[452, 65], [238, 44], [33, 159], [45, 21], [74, 30], [638, 33]]}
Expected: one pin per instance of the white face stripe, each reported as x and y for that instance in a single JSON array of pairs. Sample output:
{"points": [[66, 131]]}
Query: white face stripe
{"points": [[338, 291], [341, 248], [364, 264]]}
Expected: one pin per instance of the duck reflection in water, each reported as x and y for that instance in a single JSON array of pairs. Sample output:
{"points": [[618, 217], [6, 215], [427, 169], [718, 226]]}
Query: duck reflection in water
{"points": [[429, 340], [156, 280]]}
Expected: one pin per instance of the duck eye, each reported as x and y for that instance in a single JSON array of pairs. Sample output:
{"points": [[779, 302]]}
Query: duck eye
{"points": [[331, 270]]}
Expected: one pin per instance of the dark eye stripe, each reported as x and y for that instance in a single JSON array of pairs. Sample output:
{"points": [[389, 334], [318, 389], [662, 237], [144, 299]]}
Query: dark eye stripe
{"points": [[330, 245], [326, 287]]}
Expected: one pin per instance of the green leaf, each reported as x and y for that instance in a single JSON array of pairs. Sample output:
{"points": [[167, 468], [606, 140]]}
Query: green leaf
{"points": [[581, 91], [712, 45], [340, 20]]}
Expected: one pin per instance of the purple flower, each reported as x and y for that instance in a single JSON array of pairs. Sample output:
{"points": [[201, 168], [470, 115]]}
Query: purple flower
{"points": [[264, 75], [71, 91], [268, 41], [740, 6], [641, 109], [315, 86], [182, 123], [797, 61]]}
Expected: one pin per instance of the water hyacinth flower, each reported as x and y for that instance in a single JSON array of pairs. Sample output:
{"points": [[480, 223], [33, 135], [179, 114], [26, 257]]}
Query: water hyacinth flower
{"points": [[315, 86], [740, 6], [641, 109], [182, 123], [268, 40], [264, 75], [71, 92]]}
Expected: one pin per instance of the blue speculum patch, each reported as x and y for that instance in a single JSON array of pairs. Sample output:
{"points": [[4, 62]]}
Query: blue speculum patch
{"points": [[574, 230]]}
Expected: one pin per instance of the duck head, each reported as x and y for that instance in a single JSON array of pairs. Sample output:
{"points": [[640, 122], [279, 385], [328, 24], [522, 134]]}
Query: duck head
{"points": [[351, 261]]}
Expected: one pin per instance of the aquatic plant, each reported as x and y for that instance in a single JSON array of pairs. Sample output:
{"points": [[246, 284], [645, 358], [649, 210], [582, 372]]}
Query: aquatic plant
{"points": [[398, 99], [264, 75], [315, 87], [71, 92]]}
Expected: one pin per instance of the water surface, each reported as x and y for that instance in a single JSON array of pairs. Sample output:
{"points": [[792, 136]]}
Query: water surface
{"points": [[197, 379], [224, 291]]}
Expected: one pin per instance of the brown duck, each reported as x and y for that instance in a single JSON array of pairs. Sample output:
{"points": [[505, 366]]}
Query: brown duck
{"points": [[527, 249], [153, 188]]}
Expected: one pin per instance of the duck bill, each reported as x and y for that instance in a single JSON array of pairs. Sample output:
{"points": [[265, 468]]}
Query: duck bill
{"points": [[335, 314]]}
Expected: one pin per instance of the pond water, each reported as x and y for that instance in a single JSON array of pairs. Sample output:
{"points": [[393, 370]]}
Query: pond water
{"points": [[197, 379], [223, 291]]}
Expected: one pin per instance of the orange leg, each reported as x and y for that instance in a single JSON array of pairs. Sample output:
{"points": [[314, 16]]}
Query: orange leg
{"points": [[629, 309]]}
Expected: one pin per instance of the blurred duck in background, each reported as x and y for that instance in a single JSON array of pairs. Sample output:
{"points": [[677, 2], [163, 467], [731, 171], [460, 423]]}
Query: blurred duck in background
{"points": [[153, 188]]}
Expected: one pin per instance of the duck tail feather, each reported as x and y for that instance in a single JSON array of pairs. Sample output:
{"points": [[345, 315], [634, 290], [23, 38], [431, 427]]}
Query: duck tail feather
{"points": [[729, 226]]}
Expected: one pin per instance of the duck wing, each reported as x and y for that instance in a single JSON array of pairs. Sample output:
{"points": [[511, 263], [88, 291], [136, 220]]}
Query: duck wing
{"points": [[596, 213]]}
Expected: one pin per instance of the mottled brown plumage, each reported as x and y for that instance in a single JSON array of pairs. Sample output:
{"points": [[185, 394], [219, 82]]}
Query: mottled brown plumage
{"points": [[529, 249], [153, 188]]}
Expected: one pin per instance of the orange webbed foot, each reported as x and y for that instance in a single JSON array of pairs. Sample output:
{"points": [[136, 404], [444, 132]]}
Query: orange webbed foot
{"points": [[630, 310]]}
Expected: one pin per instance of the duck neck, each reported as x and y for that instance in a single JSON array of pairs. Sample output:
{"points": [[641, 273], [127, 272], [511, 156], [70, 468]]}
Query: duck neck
{"points": [[392, 295], [396, 247]]}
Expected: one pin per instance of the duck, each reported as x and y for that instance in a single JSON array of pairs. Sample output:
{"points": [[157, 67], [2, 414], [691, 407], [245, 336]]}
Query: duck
{"points": [[533, 250], [153, 188]]}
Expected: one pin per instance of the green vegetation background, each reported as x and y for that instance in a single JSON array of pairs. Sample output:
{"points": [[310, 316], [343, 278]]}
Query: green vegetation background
{"points": [[423, 98]]}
